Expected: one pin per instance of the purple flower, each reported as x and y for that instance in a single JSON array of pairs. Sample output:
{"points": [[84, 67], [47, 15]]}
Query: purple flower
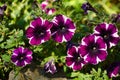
{"points": [[39, 31], [108, 32], [63, 29], [93, 49], [50, 11], [116, 18], [21, 56], [45, 7], [69, 44], [87, 6], [114, 69], [50, 67], [73, 59], [2, 9]]}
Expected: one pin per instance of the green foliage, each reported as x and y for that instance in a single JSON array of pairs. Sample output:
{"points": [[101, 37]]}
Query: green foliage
{"points": [[6, 58], [94, 75], [15, 40]]}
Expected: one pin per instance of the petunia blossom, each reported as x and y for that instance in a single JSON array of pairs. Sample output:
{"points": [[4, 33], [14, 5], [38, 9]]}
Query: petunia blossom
{"points": [[93, 49], [69, 44], [45, 7], [50, 11], [108, 32], [73, 59], [116, 18], [39, 31], [63, 28], [86, 7], [114, 69], [21, 56], [2, 9], [50, 67]]}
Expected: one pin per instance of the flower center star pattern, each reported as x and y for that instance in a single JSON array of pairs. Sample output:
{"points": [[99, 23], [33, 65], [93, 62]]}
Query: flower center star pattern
{"points": [[73, 59], [108, 32], [21, 56], [39, 31], [63, 29], [93, 49]]}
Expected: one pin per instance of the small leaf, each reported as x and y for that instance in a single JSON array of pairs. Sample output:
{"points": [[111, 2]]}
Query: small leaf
{"points": [[74, 74], [6, 57]]}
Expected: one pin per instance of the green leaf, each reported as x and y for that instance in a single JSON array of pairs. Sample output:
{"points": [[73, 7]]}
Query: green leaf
{"points": [[15, 39], [74, 74], [6, 58], [65, 68]]}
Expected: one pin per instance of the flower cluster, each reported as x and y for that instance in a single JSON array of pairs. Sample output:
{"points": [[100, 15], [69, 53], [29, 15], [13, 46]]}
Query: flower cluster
{"points": [[93, 47], [44, 6], [61, 29]]}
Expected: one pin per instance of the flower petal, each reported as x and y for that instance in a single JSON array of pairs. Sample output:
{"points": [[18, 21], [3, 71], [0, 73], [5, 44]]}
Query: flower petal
{"points": [[28, 59], [69, 61], [35, 41], [92, 59], [100, 27], [17, 51], [83, 50], [58, 36], [59, 19], [69, 24], [72, 51], [46, 36], [27, 51], [47, 25], [77, 66], [112, 28], [114, 40], [20, 63], [14, 58], [37, 22], [52, 69], [68, 35], [88, 39], [102, 55], [29, 32], [102, 44]]}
